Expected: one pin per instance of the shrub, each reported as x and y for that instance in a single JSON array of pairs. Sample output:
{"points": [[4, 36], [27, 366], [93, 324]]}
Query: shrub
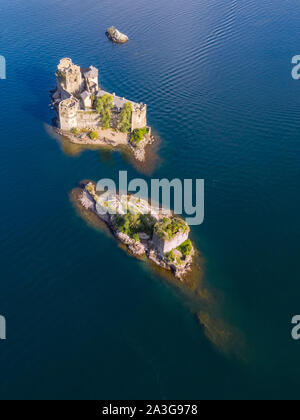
{"points": [[93, 135], [186, 248], [75, 131], [138, 135], [171, 257], [125, 118]]}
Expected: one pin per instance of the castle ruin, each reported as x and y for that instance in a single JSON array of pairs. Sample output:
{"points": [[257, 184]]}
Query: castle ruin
{"points": [[74, 99]]}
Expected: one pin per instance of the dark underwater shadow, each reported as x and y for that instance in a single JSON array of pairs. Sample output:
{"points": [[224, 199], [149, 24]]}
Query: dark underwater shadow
{"points": [[203, 302]]}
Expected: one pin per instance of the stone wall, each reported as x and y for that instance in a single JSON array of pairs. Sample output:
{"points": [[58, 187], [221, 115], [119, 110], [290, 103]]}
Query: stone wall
{"points": [[88, 120], [76, 118], [92, 120]]}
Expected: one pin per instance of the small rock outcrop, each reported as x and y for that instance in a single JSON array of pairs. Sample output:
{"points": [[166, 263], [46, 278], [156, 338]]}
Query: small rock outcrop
{"points": [[116, 36]]}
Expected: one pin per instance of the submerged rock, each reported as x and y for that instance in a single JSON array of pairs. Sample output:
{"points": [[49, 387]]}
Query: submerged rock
{"points": [[116, 36]]}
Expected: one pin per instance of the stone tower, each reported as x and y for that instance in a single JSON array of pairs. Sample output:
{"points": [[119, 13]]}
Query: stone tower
{"points": [[68, 113], [69, 76], [139, 116]]}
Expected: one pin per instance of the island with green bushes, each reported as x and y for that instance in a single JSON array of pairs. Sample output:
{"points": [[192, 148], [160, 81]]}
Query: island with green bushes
{"points": [[87, 114], [145, 230]]}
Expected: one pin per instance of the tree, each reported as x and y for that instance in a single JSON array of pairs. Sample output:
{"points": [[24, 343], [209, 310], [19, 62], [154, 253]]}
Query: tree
{"points": [[125, 118], [104, 105]]}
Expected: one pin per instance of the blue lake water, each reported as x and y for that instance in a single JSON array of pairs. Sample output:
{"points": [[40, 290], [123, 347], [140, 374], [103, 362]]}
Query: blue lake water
{"points": [[86, 321]]}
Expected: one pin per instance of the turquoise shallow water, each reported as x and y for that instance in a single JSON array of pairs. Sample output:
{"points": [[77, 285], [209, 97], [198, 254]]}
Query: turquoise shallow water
{"points": [[86, 321]]}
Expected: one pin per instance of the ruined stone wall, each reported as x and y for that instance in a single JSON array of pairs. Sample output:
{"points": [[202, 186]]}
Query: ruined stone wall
{"points": [[74, 82], [68, 123], [139, 118], [88, 120], [166, 246], [91, 119]]}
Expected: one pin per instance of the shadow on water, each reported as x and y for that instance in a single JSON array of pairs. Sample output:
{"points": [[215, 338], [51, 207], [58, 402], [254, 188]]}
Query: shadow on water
{"points": [[105, 153], [204, 303]]}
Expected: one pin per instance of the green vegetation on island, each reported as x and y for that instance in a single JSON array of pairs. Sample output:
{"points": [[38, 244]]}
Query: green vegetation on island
{"points": [[125, 118], [167, 228], [138, 135], [186, 248], [93, 135], [181, 253], [104, 105], [133, 224], [75, 131]]}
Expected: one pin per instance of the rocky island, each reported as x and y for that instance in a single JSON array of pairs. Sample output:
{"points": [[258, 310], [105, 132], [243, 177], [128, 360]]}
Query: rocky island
{"points": [[116, 36], [145, 230], [86, 114]]}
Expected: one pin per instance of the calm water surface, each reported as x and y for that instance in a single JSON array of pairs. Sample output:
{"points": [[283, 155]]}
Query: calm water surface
{"points": [[86, 321]]}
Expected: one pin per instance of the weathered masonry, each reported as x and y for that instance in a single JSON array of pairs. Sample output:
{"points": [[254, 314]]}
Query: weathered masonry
{"points": [[77, 89]]}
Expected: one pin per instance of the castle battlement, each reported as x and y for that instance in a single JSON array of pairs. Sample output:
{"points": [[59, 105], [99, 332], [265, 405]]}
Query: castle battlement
{"points": [[74, 99]]}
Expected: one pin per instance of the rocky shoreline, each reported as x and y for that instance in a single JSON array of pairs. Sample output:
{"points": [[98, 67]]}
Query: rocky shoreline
{"points": [[144, 247], [111, 139]]}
